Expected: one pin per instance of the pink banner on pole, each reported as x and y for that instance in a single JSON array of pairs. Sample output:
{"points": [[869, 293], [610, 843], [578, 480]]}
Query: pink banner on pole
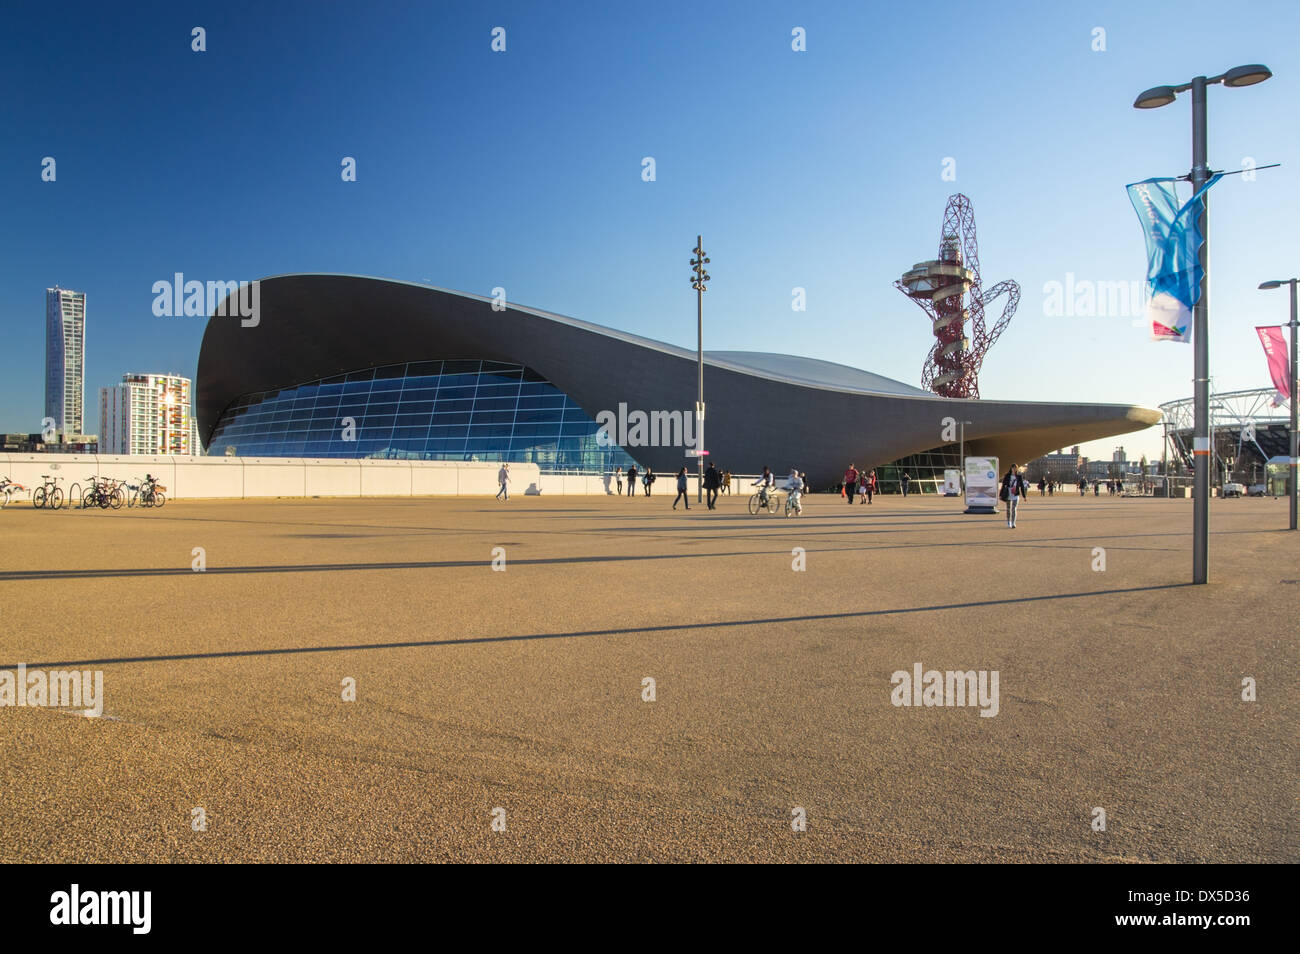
{"points": [[1278, 365]]}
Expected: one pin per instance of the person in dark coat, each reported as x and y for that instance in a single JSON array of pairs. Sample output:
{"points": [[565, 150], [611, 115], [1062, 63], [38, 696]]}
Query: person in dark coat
{"points": [[1014, 489], [712, 480], [631, 481], [681, 490]]}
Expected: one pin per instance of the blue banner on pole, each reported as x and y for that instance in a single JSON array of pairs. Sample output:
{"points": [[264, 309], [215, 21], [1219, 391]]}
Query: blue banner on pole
{"points": [[1173, 248]]}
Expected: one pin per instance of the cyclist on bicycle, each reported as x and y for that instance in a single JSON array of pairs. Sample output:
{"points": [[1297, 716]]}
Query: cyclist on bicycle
{"points": [[794, 486], [766, 484]]}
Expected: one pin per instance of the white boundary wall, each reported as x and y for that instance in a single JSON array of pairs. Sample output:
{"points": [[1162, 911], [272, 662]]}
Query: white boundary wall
{"points": [[194, 477]]}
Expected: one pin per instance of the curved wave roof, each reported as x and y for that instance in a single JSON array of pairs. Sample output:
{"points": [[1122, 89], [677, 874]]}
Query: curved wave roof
{"points": [[813, 372]]}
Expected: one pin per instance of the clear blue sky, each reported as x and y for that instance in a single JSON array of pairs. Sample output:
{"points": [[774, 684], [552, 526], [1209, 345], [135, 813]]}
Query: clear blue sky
{"points": [[819, 169]]}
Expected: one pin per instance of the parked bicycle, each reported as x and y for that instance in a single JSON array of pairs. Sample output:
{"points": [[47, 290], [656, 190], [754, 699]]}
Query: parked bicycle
{"points": [[102, 492], [7, 489], [147, 493], [48, 494], [92, 495], [115, 490]]}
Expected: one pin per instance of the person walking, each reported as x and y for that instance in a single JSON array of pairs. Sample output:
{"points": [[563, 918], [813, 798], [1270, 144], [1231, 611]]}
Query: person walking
{"points": [[1083, 486], [618, 479], [907, 479], [503, 478], [870, 484], [1042, 486], [712, 480], [850, 483], [726, 482], [681, 490], [631, 481], [1051, 485], [1013, 491]]}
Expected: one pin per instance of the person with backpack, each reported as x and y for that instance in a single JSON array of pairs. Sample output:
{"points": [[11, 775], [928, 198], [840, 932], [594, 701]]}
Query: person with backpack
{"points": [[681, 490], [1014, 489]]}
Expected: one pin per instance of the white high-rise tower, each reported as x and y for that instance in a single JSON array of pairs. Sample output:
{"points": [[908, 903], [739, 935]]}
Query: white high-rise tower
{"points": [[65, 359]]}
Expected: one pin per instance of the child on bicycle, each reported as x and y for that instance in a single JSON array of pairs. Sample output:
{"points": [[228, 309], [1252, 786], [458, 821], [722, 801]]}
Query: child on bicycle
{"points": [[794, 486]]}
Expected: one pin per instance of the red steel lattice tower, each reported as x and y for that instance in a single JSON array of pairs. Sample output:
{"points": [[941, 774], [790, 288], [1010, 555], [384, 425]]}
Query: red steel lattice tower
{"points": [[948, 289]]}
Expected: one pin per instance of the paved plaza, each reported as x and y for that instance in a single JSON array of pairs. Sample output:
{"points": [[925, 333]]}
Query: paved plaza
{"points": [[229, 632]]}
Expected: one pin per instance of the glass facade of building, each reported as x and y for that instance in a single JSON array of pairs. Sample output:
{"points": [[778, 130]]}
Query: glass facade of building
{"points": [[924, 471], [423, 410]]}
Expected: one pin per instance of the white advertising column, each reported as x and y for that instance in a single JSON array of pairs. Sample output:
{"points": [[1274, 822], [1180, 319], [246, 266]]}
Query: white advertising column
{"points": [[981, 485]]}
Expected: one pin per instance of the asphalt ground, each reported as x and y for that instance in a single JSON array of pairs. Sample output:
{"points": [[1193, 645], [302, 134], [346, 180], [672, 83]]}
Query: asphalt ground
{"points": [[523, 689]]}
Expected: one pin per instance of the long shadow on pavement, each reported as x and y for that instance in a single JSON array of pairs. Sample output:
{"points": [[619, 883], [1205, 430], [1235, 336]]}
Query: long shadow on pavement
{"points": [[17, 576], [527, 637]]}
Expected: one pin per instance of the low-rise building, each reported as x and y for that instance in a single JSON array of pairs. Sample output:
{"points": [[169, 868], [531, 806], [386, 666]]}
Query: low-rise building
{"points": [[148, 414]]}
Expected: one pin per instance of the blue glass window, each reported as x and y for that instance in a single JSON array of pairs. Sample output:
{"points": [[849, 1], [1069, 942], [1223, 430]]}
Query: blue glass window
{"points": [[425, 410]]}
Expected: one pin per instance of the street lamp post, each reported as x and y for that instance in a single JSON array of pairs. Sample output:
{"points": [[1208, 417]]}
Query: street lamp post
{"points": [[961, 452], [1154, 98], [1294, 381], [698, 282]]}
